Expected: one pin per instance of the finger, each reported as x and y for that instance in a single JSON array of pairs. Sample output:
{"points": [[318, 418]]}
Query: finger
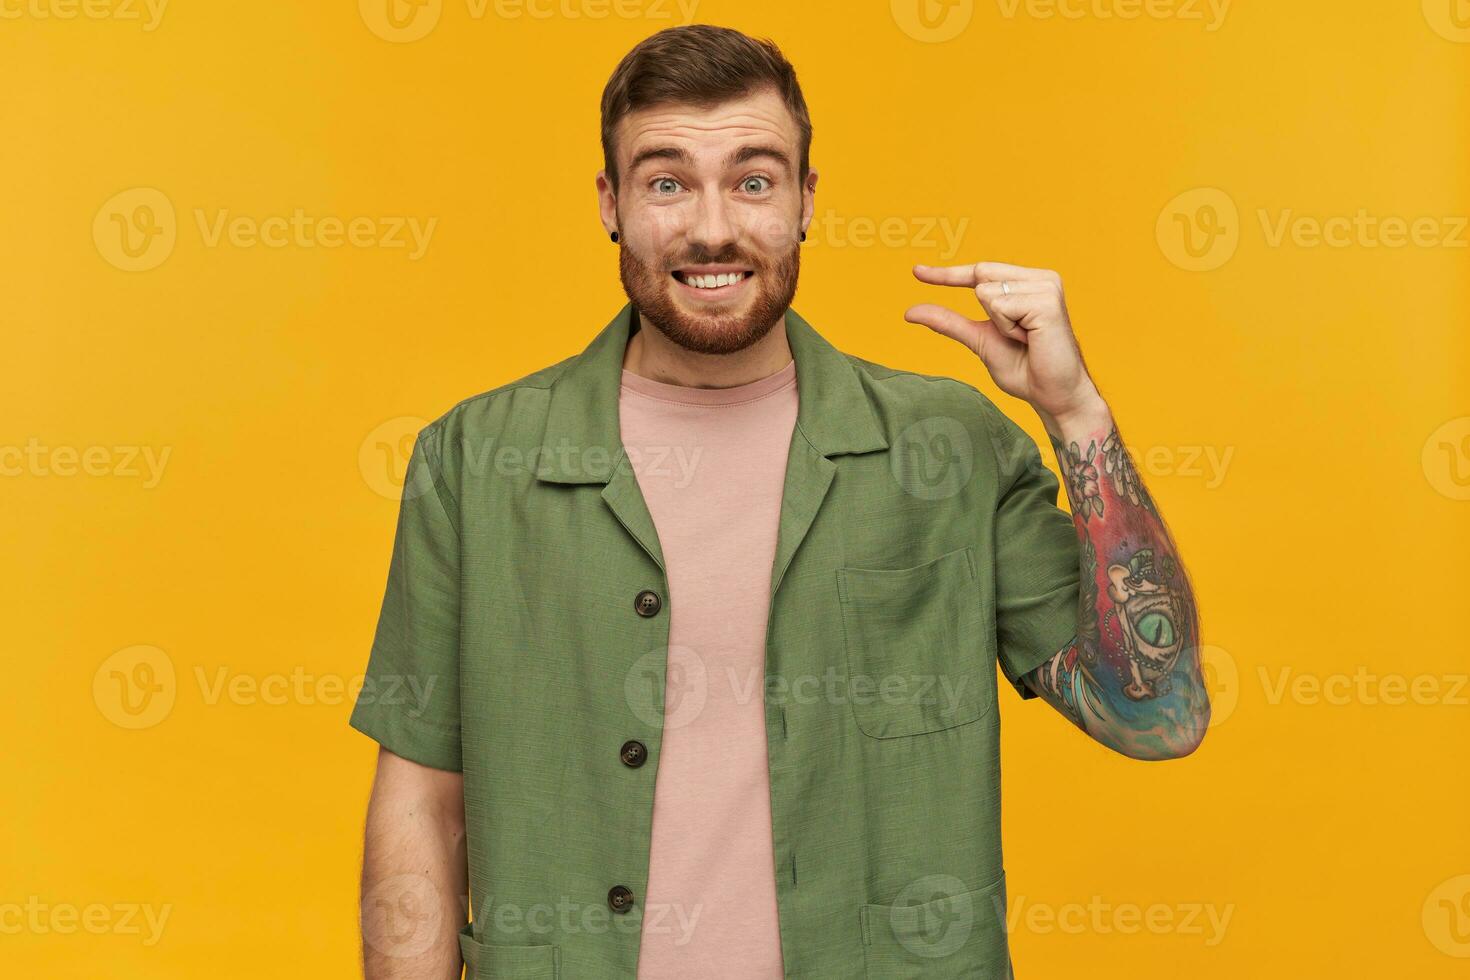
{"points": [[999, 271], [1037, 292], [981, 336], [1015, 287], [1018, 310], [975, 273], [948, 275], [941, 319], [1002, 312], [1027, 304]]}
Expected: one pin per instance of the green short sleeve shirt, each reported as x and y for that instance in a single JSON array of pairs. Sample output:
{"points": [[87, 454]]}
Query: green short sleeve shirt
{"points": [[921, 556]]}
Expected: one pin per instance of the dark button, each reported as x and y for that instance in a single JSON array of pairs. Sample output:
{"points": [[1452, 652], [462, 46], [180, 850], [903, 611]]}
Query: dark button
{"points": [[634, 753], [647, 603], [620, 898]]}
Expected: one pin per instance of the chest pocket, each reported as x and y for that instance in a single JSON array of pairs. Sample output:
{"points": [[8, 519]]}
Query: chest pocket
{"points": [[915, 642]]}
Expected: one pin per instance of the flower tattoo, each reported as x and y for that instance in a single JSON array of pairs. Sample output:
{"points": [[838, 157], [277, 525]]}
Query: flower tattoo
{"points": [[1082, 478], [1119, 465]]}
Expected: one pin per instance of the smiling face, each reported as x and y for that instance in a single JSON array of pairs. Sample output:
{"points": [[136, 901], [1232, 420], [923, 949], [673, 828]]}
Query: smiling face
{"points": [[709, 209]]}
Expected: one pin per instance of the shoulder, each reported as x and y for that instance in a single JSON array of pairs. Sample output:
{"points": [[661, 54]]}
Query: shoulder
{"points": [[909, 398], [502, 413]]}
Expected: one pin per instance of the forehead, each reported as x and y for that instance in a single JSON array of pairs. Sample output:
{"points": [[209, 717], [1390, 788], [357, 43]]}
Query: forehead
{"points": [[705, 132]]}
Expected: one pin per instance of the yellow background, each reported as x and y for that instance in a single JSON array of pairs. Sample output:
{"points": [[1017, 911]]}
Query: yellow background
{"points": [[1331, 829]]}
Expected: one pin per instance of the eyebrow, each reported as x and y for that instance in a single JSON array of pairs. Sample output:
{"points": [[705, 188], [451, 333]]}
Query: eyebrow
{"points": [[680, 155]]}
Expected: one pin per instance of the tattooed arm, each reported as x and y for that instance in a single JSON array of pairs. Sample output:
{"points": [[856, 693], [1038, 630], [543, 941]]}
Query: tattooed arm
{"points": [[1131, 677]]}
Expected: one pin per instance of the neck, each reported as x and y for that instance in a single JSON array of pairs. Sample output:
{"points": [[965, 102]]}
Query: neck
{"points": [[652, 355]]}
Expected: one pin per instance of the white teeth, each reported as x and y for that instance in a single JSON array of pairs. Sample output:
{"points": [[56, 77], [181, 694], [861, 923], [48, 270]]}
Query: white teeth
{"points": [[714, 282]]}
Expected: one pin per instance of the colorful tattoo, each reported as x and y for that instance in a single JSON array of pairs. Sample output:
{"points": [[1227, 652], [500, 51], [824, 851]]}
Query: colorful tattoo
{"points": [[1131, 676]]}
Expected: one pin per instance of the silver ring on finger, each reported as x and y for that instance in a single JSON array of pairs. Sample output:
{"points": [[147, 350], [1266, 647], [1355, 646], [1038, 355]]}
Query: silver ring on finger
{"points": [[1005, 288]]}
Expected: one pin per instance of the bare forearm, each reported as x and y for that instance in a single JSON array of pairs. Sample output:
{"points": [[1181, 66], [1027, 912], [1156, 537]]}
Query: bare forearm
{"points": [[413, 880], [1131, 678]]}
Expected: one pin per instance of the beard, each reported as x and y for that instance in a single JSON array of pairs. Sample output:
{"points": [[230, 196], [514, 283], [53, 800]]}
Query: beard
{"points": [[650, 287]]}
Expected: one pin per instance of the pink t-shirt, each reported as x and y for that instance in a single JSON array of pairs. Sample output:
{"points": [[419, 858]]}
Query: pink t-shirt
{"points": [[711, 463]]}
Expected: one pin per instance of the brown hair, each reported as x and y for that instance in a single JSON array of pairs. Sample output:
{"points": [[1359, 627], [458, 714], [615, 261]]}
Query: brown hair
{"points": [[701, 65]]}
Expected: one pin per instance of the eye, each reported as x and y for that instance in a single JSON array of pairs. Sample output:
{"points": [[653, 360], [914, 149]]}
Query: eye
{"points": [[760, 184], [660, 182]]}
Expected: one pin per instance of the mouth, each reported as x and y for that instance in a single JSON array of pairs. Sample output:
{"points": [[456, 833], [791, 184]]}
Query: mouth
{"points": [[713, 282]]}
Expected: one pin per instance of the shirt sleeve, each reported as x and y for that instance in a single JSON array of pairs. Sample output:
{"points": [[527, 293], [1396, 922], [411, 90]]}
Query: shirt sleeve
{"points": [[409, 701], [1036, 557]]}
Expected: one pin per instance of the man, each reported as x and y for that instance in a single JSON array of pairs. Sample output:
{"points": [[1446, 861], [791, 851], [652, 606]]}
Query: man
{"points": [[705, 622]]}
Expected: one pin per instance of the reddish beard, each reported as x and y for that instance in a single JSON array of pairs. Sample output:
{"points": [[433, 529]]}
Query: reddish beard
{"points": [[651, 290]]}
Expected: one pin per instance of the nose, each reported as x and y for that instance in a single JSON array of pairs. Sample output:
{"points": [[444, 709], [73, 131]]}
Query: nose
{"points": [[712, 228]]}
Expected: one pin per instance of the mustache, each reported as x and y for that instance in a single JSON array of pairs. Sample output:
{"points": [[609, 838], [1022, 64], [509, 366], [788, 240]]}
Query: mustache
{"points": [[723, 258]]}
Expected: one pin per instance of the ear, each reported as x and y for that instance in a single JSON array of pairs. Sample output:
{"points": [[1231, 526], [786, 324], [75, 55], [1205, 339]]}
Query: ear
{"points": [[607, 203], [808, 199]]}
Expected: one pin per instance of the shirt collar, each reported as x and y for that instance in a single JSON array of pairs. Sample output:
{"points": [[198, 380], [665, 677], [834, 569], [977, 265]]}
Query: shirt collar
{"points": [[582, 442]]}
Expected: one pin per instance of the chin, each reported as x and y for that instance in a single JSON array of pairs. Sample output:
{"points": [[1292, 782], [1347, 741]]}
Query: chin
{"points": [[709, 331]]}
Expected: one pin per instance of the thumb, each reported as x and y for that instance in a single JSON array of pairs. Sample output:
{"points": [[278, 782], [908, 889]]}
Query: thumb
{"points": [[943, 320], [1000, 354]]}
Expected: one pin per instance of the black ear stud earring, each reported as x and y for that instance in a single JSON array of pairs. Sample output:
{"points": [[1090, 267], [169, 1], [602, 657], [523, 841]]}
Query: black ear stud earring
{"points": [[803, 236], [614, 236]]}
